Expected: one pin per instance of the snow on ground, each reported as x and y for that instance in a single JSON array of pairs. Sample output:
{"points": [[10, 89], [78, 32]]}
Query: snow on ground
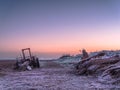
{"points": [[108, 53], [51, 76]]}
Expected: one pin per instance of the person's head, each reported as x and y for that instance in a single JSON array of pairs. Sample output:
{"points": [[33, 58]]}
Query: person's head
{"points": [[83, 50]]}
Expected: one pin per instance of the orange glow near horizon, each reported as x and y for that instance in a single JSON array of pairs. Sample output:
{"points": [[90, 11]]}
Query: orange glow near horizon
{"points": [[63, 27], [60, 50]]}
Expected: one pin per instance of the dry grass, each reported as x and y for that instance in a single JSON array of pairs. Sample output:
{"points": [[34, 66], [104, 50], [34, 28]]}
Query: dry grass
{"points": [[2, 74], [6, 64], [50, 64]]}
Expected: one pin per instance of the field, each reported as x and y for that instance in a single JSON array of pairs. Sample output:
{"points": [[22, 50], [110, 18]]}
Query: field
{"points": [[52, 75]]}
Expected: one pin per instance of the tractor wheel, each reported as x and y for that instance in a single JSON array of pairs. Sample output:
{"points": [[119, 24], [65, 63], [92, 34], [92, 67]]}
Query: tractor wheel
{"points": [[37, 63]]}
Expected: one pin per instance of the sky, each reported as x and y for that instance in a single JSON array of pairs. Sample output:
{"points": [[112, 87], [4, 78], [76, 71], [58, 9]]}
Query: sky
{"points": [[55, 27]]}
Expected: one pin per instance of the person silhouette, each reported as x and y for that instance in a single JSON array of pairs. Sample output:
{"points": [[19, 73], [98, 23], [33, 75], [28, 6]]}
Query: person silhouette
{"points": [[84, 54]]}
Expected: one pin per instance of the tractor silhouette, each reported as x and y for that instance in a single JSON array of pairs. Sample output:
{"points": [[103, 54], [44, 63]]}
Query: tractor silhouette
{"points": [[27, 62]]}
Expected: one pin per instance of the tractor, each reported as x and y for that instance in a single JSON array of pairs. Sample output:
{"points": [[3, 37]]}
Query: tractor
{"points": [[27, 62]]}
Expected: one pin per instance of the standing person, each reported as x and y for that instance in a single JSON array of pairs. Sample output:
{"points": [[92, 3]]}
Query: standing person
{"points": [[84, 54]]}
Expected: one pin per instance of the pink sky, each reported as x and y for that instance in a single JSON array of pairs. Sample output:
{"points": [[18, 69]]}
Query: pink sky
{"points": [[57, 28]]}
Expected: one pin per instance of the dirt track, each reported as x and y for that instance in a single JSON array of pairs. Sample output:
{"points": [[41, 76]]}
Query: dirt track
{"points": [[50, 77]]}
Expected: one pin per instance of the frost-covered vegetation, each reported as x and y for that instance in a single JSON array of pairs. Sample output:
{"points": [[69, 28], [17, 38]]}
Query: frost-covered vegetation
{"points": [[105, 66], [97, 73]]}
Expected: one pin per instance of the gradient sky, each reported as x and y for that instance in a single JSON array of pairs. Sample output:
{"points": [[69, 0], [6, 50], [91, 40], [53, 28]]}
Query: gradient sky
{"points": [[54, 27]]}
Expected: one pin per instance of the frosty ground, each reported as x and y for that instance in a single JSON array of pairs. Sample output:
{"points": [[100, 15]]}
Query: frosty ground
{"points": [[52, 75]]}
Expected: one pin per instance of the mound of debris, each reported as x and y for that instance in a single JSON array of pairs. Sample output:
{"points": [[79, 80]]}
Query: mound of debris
{"points": [[107, 69]]}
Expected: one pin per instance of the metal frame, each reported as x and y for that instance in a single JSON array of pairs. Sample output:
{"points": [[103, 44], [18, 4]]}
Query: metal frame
{"points": [[23, 53]]}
